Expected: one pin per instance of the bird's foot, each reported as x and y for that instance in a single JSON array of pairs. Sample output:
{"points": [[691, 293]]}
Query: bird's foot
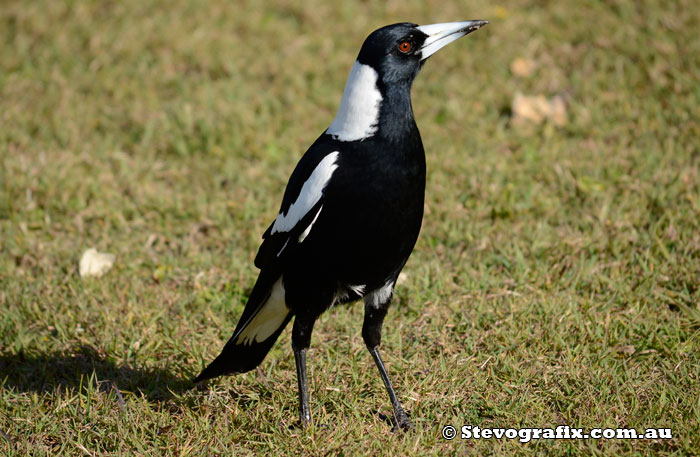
{"points": [[402, 422], [300, 425], [304, 420]]}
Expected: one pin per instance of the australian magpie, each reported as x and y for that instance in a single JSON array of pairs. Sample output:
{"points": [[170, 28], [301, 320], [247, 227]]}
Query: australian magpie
{"points": [[351, 212]]}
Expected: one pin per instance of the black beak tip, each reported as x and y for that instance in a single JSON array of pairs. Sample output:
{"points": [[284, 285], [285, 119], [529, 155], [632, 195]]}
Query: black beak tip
{"points": [[475, 25]]}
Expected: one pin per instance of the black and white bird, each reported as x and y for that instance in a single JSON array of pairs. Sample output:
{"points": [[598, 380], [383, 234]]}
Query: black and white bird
{"points": [[351, 212]]}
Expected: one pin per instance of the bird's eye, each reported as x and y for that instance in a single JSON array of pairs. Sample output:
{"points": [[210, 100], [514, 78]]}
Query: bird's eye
{"points": [[405, 46]]}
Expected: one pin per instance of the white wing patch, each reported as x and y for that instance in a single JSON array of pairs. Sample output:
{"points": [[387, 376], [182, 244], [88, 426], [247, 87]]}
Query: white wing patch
{"points": [[306, 232], [310, 194], [268, 319], [378, 297], [285, 245], [358, 114]]}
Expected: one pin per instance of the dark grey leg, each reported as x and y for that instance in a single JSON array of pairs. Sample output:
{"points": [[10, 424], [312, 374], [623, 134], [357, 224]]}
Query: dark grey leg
{"points": [[372, 334], [301, 338], [304, 412]]}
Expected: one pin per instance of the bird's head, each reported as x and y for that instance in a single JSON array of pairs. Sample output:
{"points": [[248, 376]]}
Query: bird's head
{"points": [[396, 52], [378, 87]]}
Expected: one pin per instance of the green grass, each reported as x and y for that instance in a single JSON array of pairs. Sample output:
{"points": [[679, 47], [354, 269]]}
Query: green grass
{"points": [[556, 279]]}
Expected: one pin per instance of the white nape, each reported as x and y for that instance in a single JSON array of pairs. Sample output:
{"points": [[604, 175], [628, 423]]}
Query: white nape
{"points": [[311, 193], [358, 114], [268, 319]]}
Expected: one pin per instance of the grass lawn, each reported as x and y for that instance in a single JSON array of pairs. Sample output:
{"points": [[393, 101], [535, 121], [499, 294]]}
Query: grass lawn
{"points": [[556, 280]]}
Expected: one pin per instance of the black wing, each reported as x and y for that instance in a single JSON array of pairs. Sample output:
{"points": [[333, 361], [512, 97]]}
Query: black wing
{"points": [[302, 204]]}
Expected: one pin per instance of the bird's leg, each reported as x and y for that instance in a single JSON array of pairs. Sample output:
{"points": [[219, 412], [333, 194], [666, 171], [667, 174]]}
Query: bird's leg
{"points": [[304, 413], [301, 339], [372, 334]]}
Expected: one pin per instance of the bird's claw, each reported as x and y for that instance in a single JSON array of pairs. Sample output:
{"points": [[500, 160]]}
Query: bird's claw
{"points": [[402, 422]]}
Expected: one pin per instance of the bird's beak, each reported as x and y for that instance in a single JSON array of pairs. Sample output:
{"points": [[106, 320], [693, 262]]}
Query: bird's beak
{"points": [[440, 35]]}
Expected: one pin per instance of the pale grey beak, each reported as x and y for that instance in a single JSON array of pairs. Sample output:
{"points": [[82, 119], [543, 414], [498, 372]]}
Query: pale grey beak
{"points": [[440, 35]]}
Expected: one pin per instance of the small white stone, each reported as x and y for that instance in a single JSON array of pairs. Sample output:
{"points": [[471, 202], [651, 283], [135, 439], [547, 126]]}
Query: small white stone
{"points": [[94, 263]]}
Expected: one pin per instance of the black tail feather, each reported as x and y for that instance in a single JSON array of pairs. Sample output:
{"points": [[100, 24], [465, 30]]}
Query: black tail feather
{"points": [[240, 358]]}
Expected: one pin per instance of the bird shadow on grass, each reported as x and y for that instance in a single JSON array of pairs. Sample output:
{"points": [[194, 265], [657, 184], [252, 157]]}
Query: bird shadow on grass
{"points": [[52, 372]]}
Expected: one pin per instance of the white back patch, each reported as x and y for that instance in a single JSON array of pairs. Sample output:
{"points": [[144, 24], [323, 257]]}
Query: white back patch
{"points": [[310, 194], [358, 114], [268, 319], [379, 296]]}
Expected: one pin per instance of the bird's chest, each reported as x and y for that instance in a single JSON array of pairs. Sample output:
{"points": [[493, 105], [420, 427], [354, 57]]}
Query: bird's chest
{"points": [[386, 189], [381, 208], [370, 220]]}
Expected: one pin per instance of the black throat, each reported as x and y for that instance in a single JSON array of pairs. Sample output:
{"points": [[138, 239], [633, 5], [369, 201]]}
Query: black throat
{"points": [[396, 123]]}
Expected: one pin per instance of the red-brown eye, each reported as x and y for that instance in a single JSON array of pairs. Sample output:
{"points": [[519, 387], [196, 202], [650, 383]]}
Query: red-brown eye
{"points": [[405, 46]]}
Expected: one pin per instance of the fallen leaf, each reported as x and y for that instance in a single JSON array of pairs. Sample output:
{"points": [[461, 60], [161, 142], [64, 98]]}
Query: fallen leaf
{"points": [[94, 263], [161, 272], [626, 349], [522, 67], [535, 109]]}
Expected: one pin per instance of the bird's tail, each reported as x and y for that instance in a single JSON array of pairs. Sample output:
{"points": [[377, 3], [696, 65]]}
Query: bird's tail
{"points": [[265, 316]]}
